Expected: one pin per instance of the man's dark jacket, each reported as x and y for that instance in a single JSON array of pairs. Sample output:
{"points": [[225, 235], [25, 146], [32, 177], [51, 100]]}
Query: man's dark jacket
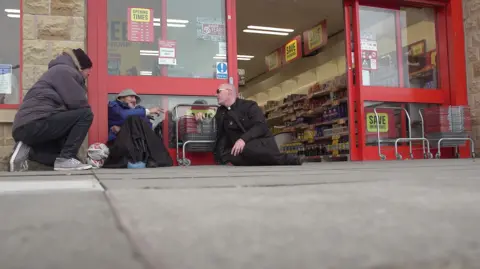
{"points": [[59, 89], [251, 117]]}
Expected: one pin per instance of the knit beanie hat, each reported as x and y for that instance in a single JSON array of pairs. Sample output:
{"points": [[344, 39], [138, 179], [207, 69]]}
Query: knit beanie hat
{"points": [[83, 59]]}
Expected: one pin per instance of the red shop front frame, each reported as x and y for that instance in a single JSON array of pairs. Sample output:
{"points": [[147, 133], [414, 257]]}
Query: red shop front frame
{"points": [[450, 47], [101, 84]]}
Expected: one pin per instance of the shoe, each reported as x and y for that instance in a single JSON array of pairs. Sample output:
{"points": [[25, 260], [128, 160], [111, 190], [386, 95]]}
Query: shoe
{"points": [[19, 158], [62, 164]]}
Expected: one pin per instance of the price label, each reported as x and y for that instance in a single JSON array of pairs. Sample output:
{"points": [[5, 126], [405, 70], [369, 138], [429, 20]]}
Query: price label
{"points": [[335, 148]]}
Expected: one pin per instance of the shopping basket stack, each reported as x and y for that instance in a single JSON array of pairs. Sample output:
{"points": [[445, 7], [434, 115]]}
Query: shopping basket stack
{"points": [[452, 124], [192, 130]]}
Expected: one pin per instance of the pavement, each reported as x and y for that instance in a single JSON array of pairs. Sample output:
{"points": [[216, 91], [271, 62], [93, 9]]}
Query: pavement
{"points": [[380, 215]]}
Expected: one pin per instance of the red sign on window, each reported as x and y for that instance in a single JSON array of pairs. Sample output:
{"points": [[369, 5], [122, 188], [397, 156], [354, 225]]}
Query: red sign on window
{"points": [[140, 25]]}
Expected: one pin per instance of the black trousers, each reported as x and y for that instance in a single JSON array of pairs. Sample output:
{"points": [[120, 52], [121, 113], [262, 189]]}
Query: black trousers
{"points": [[58, 136], [260, 152]]}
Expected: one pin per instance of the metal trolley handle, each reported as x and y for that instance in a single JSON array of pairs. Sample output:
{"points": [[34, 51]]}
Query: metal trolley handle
{"points": [[175, 117], [409, 139]]}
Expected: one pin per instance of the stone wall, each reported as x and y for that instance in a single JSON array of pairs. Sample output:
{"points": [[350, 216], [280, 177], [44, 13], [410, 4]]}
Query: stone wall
{"points": [[49, 27], [471, 13]]}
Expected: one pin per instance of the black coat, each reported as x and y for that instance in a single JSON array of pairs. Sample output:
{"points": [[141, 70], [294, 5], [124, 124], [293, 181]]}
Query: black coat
{"points": [[136, 142], [251, 126]]}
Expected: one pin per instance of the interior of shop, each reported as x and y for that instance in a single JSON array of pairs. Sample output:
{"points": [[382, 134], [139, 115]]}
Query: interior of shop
{"points": [[297, 71]]}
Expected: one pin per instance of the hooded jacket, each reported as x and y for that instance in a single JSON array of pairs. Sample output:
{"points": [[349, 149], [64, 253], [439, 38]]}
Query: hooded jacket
{"points": [[118, 112], [59, 89]]}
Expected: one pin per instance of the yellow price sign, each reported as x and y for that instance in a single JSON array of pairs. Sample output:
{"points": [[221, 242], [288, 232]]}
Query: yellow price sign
{"points": [[335, 152], [315, 37], [291, 50], [382, 122], [433, 58], [140, 15]]}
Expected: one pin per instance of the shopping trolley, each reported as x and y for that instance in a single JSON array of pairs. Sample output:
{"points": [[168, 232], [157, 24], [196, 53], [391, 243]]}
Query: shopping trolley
{"points": [[193, 135], [426, 152], [449, 126]]}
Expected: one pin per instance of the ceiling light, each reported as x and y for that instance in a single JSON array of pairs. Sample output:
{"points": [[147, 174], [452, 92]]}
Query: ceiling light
{"points": [[171, 20], [176, 25], [264, 32], [177, 21], [270, 29], [149, 52], [13, 15], [240, 56], [146, 73], [9, 10]]}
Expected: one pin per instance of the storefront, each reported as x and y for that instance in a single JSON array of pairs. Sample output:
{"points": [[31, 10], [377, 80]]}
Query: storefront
{"points": [[170, 54]]}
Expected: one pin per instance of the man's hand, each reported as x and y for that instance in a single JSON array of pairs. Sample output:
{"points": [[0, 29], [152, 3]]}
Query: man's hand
{"points": [[115, 129], [238, 147], [156, 110], [199, 116]]}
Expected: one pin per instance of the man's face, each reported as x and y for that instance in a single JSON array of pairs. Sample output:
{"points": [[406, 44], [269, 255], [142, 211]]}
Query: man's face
{"points": [[131, 101], [86, 72], [222, 96]]}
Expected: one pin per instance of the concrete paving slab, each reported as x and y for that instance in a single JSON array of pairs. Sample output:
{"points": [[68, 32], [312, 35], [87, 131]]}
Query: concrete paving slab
{"points": [[389, 224], [62, 230]]}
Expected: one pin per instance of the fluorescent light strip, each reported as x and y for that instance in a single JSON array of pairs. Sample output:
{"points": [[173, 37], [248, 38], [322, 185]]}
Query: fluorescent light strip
{"points": [[240, 56], [149, 51], [13, 15], [171, 20], [264, 32], [9, 10], [176, 25], [146, 73], [286, 30]]}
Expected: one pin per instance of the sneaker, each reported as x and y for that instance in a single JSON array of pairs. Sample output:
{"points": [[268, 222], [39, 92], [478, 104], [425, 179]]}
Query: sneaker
{"points": [[19, 158], [62, 164]]}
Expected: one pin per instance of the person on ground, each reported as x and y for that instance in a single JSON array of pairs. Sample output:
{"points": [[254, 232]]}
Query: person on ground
{"points": [[54, 117], [127, 104], [132, 141], [243, 137]]}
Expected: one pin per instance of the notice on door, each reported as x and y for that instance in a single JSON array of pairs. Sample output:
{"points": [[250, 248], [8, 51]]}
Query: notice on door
{"points": [[382, 122], [5, 78], [167, 52], [140, 25]]}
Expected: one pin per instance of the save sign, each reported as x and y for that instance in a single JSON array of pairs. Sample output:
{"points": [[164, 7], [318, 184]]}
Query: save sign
{"points": [[382, 122]]}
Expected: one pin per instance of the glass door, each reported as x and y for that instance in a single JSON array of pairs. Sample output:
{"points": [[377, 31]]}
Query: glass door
{"points": [[399, 72], [168, 51]]}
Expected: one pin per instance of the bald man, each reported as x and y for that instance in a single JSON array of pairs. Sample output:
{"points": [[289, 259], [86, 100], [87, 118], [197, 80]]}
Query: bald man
{"points": [[243, 137]]}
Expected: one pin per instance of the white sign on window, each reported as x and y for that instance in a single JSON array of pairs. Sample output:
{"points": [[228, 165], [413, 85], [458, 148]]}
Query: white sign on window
{"points": [[5, 78]]}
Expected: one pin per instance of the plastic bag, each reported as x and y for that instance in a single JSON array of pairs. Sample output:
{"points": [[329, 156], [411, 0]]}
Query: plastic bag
{"points": [[97, 154]]}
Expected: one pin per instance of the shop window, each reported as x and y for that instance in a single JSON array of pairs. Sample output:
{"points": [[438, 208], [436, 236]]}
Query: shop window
{"points": [[393, 122], [419, 47], [407, 34], [10, 52], [190, 45], [379, 50]]}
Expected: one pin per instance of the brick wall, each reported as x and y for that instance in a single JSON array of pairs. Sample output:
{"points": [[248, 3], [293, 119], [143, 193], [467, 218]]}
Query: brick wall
{"points": [[471, 13], [49, 27]]}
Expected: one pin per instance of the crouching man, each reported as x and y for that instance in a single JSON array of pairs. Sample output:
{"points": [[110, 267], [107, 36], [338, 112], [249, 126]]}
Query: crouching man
{"points": [[132, 142], [54, 117], [243, 137]]}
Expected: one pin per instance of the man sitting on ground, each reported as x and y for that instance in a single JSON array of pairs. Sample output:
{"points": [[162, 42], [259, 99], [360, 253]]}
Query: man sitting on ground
{"points": [[243, 137], [55, 116], [132, 142], [126, 105]]}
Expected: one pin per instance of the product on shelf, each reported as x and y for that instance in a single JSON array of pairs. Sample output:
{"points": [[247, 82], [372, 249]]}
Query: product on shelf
{"points": [[318, 121]]}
